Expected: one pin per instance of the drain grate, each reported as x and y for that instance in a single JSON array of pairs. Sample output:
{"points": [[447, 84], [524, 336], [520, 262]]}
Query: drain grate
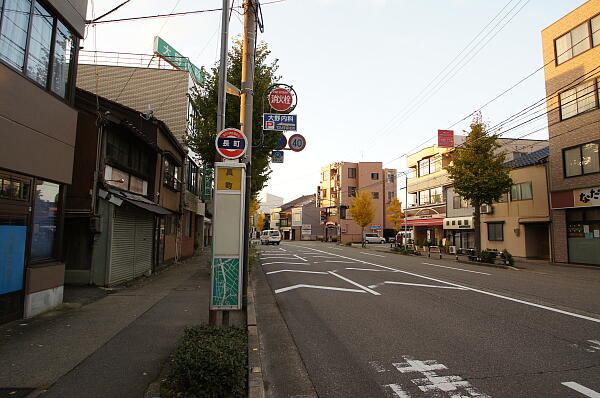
{"points": [[15, 392]]}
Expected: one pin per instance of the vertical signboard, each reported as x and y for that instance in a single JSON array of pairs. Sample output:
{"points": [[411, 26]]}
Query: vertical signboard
{"points": [[12, 257], [228, 235], [446, 138]]}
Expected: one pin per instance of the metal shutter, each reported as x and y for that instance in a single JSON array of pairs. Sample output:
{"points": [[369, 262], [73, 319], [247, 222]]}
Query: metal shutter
{"points": [[123, 241], [144, 227]]}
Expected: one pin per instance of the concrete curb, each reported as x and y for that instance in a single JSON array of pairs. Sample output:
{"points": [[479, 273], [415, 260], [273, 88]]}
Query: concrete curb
{"points": [[256, 388]]}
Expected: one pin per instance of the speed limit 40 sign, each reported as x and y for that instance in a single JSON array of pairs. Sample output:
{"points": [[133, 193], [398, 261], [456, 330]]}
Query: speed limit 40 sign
{"points": [[297, 142]]}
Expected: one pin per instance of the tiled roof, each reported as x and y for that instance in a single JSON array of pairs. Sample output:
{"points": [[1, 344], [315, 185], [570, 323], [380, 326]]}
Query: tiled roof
{"points": [[302, 200], [529, 159]]}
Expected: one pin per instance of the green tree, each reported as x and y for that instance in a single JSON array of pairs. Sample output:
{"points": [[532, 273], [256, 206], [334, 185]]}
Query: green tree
{"points": [[362, 211], [395, 216], [205, 103], [478, 173]]}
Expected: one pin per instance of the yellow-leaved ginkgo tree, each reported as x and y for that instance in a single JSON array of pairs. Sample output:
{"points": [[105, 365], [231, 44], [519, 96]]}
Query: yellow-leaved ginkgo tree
{"points": [[362, 211]]}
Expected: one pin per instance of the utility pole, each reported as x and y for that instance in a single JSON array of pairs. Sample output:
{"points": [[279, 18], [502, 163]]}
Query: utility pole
{"points": [[246, 107], [214, 316]]}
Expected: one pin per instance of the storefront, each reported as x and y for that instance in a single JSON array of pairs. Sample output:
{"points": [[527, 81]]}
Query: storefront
{"points": [[427, 230], [459, 232]]}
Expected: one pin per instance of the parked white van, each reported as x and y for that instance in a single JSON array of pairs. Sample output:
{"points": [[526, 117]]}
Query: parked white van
{"points": [[270, 236]]}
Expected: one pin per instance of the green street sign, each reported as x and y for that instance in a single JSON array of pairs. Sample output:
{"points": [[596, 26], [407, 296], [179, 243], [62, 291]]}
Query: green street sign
{"points": [[175, 58]]}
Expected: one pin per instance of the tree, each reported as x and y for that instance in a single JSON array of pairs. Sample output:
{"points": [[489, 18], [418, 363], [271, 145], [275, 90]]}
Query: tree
{"points": [[478, 173], [260, 222], [362, 211], [204, 101], [395, 216]]}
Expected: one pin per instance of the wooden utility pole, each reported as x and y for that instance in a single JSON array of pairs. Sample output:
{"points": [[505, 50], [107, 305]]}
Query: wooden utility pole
{"points": [[246, 107]]}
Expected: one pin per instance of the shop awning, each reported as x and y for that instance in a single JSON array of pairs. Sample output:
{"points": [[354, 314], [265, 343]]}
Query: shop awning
{"points": [[425, 222], [139, 201]]}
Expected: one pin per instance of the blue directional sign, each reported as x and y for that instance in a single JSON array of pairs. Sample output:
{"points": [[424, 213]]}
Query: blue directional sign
{"points": [[280, 122]]}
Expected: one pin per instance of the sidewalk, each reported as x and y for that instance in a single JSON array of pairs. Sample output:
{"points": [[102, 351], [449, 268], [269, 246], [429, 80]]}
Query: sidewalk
{"points": [[111, 347]]}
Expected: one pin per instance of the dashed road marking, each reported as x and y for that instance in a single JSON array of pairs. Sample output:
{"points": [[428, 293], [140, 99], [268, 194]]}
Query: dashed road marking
{"points": [[341, 289], [594, 346], [581, 389], [457, 269], [369, 269], [508, 298], [282, 249], [366, 289], [281, 262], [416, 285], [298, 271], [371, 254], [397, 389], [340, 261], [303, 259]]}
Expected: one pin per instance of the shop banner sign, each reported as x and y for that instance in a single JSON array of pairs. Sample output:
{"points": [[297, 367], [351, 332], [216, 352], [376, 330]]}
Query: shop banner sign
{"points": [[587, 197], [12, 257]]}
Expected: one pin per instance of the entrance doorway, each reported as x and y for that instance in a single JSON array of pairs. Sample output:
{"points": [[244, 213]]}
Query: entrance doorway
{"points": [[537, 242]]}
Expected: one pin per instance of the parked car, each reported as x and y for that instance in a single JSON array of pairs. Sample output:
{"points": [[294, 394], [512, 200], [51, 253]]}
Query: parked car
{"points": [[373, 238], [270, 237]]}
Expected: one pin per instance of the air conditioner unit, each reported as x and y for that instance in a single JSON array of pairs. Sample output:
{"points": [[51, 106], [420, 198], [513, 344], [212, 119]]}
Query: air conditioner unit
{"points": [[452, 249], [487, 209]]}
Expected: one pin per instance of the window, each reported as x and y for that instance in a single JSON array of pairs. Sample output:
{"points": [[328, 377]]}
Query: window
{"points": [[521, 191], [495, 231], [374, 176], [192, 177], [128, 153], [436, 195], [14, 188], [391, 178], [423, 167], [375, 195], [424, 197], [582, 159], [456, 202], [578, 100], [351, 172], [517, 155], [343, 212], [572, 43], [324, 193], [390, 195], [351, 192], [171, 179], [26, 34], [595, 30], [45, 221]]}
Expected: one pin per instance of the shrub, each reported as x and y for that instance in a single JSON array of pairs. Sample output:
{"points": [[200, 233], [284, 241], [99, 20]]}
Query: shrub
{"points": [[348, 244], [507, 258], [488, 256], [210, 362]]}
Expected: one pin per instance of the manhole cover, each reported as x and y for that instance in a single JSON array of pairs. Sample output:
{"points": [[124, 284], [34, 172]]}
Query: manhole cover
{"points": [[15, 392]]}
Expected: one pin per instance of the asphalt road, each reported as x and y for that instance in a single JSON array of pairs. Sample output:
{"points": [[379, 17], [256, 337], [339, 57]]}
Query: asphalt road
{"points": [[374, 324]]}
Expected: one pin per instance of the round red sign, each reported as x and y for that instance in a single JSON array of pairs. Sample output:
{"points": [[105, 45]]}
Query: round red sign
{"points": [[231, 143], [297, 142], [280, 99]]}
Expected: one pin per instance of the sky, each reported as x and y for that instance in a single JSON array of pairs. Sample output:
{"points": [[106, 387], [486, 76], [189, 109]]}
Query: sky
{"points": [[375, 79]]}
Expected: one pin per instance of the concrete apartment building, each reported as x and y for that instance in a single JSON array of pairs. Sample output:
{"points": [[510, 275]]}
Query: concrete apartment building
{"points": [[151, 86], [571, 48], [298, 219], [338, 185], [430, 193], [39, 42]]}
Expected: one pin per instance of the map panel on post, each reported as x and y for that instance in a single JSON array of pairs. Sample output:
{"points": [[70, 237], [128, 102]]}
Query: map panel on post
{"points": [[226, 284]]}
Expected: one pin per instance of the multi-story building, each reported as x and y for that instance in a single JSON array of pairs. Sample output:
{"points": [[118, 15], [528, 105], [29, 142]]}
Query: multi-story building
{"points": [[150, 85], [122, 207], [338, 186], [269, 201], [520, 222], [298, 218], [571, 49], [39, 45]]}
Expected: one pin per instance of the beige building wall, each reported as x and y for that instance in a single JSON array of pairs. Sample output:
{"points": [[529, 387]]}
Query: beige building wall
{"points": [[165, 90], [523, 219]]}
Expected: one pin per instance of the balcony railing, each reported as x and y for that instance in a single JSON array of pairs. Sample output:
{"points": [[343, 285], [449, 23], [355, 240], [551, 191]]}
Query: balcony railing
{"points": [[123, 59]]}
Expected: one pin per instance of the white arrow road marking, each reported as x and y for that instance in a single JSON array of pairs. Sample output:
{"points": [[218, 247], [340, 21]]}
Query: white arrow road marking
{"points": [[415, 284], [282, 262], [341, 289], [294, 270], [544, 307], [303, 259], [369, 269], [371, 254], [366, 289], [582, 389], [457, 269]]}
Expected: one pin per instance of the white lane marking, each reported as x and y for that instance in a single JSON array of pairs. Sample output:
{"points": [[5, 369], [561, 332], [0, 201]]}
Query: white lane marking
{"points": [[582, 389], [281, 262], [283, 250], [457, 269], [544, 307], [371, 254], [369, 269], [415, 284], [366, 289], [330, 256], [277, 258], [397, 389], [594, 346], [379, 368], [303, 259], [341, 289], [294, 270], [339, 261]]}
